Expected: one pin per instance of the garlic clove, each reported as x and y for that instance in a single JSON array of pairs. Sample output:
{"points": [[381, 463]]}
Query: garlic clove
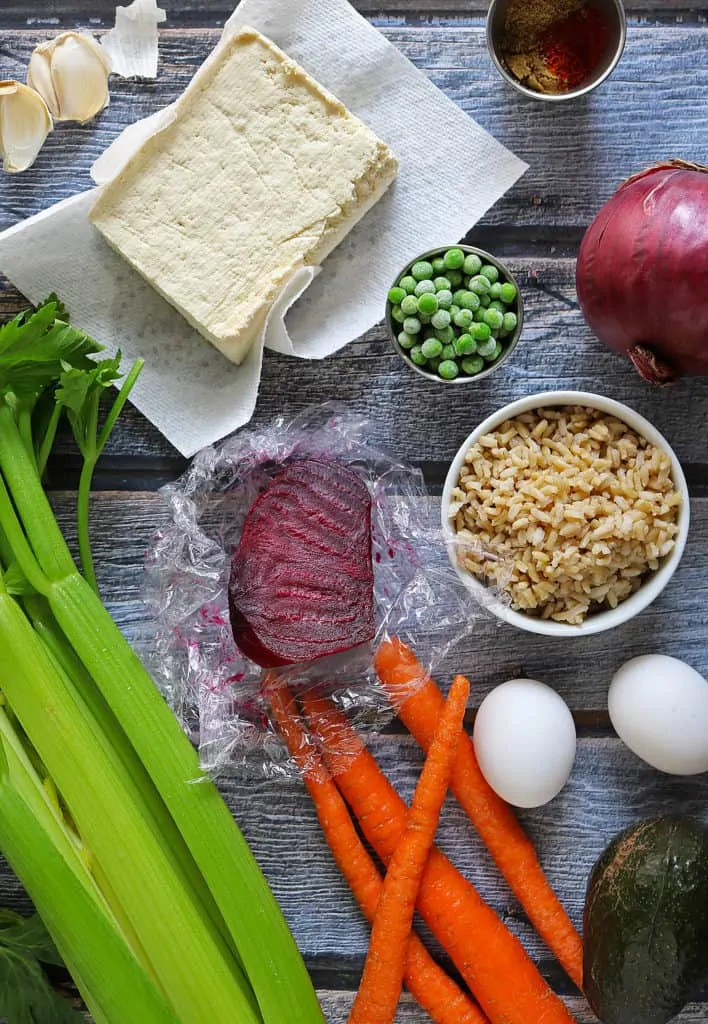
{"points": [[25, 123], [71, 73], [39, 77]]}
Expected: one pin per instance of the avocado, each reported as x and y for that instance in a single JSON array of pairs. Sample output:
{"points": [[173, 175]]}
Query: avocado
{"points": [[645, 934]]}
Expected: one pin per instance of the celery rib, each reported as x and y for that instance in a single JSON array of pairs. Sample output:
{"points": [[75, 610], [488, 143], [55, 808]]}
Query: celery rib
{"points": [[112, 983], [260, 933], [179, 942], [65, 657]]}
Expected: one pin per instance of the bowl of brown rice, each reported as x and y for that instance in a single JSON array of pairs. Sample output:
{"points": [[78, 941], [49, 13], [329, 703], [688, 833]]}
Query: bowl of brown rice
{"points": [[565, 513]]}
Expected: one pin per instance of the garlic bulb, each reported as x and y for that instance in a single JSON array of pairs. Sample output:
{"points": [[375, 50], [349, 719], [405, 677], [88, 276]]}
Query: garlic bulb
{"points": [[71, 74], [25, 123]]}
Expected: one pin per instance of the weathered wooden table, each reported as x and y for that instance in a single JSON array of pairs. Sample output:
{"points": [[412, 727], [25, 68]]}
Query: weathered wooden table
{"points": [[654, 106]]}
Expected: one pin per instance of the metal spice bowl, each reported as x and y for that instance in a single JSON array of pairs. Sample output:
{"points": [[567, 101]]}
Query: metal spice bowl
{"points": [[613, 11]]}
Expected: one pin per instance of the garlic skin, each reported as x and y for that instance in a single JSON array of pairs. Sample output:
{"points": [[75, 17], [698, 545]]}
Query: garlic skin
{"points": [[25, 123], [71, 74]]}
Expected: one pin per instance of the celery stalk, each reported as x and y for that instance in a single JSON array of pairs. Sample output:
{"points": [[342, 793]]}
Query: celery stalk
{"points": [[264, 942], [174, 933], [65, 657], [265, 945], [34, 840]]}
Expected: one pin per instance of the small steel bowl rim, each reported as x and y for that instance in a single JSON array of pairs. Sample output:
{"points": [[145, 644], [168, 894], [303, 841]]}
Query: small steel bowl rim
{"points": [[559, 97], [514, 339]]}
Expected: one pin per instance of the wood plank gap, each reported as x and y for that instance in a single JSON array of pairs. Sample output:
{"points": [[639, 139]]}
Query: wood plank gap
{"points": [[144, 474], [588, 725]]}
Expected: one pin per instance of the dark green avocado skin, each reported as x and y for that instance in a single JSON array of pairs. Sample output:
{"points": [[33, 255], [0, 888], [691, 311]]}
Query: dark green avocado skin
{"points": [[645, 927]]}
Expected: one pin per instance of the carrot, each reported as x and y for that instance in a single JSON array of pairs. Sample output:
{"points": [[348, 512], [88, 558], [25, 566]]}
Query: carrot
{"points": [[491, 960], [441, 998], [419, 702], [380, 988]]}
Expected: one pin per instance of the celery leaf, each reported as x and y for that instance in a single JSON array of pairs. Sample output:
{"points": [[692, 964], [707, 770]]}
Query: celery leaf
{"points": [[26, 997]]}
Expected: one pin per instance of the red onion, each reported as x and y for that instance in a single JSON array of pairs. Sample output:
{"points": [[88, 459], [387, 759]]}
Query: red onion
{"points": [[642, 273]]}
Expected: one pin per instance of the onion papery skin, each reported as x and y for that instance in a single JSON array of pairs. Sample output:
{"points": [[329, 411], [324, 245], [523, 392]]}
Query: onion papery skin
{"points": [[642, 271]]}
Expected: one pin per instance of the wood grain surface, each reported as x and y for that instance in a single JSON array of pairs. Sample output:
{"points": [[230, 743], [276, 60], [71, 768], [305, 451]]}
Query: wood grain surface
{"points": [[655, 105]]}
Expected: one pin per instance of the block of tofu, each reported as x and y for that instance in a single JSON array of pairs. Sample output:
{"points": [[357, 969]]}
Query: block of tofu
{"points": [[261, 172]]}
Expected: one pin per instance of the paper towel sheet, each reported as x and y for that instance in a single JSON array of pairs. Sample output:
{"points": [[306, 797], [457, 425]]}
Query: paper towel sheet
{"points": [[188, 389]]}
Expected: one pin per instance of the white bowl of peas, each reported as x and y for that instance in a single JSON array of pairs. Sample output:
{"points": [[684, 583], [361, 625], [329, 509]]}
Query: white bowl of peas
{"points": [[454, 314]]}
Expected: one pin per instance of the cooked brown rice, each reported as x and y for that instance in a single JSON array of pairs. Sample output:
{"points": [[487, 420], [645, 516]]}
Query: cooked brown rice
{"points": [[567, 510]]}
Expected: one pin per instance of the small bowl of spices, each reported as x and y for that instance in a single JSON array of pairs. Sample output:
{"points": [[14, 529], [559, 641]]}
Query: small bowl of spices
{"points": [[556, 49], [454, 314]]}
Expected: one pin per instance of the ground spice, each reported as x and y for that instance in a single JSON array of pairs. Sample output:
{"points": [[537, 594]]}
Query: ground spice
{"points": [[573, 48], [552, 46]]}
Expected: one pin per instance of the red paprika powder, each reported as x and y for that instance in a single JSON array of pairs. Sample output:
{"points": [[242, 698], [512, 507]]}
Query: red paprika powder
{"points": [[573, 48]]}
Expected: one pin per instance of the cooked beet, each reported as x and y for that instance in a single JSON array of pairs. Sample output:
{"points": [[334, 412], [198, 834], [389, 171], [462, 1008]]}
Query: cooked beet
{"points": [[302, 582]]}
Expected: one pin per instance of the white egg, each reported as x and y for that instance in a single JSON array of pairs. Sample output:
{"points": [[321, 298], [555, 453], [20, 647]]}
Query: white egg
{"points": [[659, 708], [524, 737]]}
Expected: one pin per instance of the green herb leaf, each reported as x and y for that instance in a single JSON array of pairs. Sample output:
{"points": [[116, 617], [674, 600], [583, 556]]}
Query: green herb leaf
{"points": [[28, 935], [33, 347], [26, 997]]}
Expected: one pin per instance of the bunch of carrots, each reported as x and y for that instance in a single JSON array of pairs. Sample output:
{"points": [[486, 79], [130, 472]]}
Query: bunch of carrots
{"points": [[345, 783]]}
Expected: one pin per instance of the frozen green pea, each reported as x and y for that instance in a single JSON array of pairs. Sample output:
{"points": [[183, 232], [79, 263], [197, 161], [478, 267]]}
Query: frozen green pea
{"points": [[448, 369], [472, 365], [454, 259], [472, 264], [455, 278], [427, 303], [397, 314], [431, 348], [438, 265], [480, 332], [468, 300], [445, 335], [487, 348], [442, 284], [465, 345], [479, 284], [485, 301], [509, 322], [454, 310], [448, 352], [433, 364], [406, 340], [407, 283], [497, 304], [441, 319], [479, 315], [498, 349], [425, 318], [396, 295], [412, 325], [422, 270], [494, 319], [457, 296], [444, 298], [495, 290], [424, 286], [464, 318], [416, 354], [410, 305], [508, 292], [491, 273]]}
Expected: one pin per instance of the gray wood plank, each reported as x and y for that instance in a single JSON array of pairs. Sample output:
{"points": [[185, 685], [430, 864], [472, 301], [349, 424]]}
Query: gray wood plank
{"points": [[551, 203], [123, 525], [338, 1004], [425, 421], [210, 12], [578, 152], [608, 790]]}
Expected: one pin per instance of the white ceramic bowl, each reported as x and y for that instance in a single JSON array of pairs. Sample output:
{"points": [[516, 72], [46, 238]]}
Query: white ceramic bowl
{"points": [[653, 585]]}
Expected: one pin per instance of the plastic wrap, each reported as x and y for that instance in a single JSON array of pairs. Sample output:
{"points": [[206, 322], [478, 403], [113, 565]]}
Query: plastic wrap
{"points": [[217, 693]]}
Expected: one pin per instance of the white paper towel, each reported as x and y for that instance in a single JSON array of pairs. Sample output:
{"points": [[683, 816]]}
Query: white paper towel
{"points": [[188, 389]]}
